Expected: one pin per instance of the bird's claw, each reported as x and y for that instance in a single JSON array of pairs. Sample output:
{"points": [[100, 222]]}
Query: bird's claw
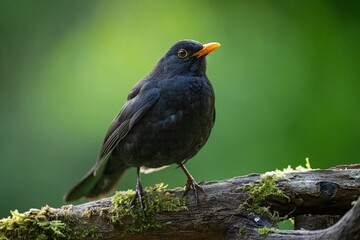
{"points": [[139, 195], [191, 184]]}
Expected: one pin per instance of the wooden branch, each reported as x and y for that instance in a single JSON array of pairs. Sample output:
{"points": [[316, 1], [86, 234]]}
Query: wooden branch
{"points": [[348, 228], [222, 213]]}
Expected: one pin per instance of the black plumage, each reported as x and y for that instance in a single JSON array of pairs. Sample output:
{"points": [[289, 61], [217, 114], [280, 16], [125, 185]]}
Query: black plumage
{"points": [[167, 118]]}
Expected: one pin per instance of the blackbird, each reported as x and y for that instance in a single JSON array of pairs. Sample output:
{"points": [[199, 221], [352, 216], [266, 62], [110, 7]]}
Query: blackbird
{"points": [[167, 118]]}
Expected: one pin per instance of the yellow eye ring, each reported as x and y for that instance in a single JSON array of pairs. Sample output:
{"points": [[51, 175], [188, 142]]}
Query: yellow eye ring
{"points": [[182, 53]]}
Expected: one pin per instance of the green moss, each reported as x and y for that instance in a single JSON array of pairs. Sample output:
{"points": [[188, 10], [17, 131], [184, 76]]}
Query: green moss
{"points": [[131, 217], [281, 173], [41, 224], [242, 230], [264, 230], [31, 226], [46, 223], [86, 213], [258, 192]]}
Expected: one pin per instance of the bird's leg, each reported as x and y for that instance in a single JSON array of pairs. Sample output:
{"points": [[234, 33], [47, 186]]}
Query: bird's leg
{"points": [[139, 191], [191, 184]]}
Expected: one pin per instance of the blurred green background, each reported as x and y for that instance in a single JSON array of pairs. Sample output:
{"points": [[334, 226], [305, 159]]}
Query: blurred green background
{"points": [[286, 80]]}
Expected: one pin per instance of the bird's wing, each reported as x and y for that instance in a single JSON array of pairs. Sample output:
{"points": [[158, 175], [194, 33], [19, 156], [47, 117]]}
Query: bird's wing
{"points": [[133, 110]]}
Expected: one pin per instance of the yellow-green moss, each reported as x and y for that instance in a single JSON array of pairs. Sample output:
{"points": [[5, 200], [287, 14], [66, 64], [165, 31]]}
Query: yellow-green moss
{"points": [[259, 191], [243, 230], [264, 230], [41, 224], [281, 173], [86, 213], [132, 218], [31, 226], [45, 224]]}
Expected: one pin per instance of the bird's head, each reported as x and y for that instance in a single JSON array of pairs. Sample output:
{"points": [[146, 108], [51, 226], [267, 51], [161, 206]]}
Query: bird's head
{"points": [[186, 57]]}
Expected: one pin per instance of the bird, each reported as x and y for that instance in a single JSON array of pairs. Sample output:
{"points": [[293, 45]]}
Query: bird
{"points": [[167, 119]]}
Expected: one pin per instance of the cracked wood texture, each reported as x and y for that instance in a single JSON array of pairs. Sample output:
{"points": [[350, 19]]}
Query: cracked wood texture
{"points": [[332, 192]]}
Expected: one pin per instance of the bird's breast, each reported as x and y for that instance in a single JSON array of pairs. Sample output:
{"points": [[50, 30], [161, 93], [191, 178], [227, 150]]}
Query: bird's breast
{"points": [[175, 128]]}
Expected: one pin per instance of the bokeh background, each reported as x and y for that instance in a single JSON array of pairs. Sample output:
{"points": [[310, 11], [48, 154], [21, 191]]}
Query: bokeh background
{"points": [[286, 80]]}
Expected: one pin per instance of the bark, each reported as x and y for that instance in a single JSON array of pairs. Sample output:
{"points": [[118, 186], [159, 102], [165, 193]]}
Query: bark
{"points": [[219, 215]]}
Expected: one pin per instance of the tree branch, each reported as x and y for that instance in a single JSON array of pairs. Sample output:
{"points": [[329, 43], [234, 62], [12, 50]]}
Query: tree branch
{"points": [[230, 209]]}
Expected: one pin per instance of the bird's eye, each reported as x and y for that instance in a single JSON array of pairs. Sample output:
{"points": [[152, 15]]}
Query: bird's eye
{"points": [[182, 53]]}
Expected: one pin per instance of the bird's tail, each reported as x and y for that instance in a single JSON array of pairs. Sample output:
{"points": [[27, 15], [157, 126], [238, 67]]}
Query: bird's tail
{"points": [[95, 186]]}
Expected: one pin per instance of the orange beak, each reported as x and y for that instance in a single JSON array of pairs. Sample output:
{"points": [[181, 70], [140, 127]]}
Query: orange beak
{"points": [[207, 48]]}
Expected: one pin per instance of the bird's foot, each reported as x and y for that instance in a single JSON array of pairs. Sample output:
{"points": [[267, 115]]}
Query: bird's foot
{"points": [[191, 184], [139, 193]]}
